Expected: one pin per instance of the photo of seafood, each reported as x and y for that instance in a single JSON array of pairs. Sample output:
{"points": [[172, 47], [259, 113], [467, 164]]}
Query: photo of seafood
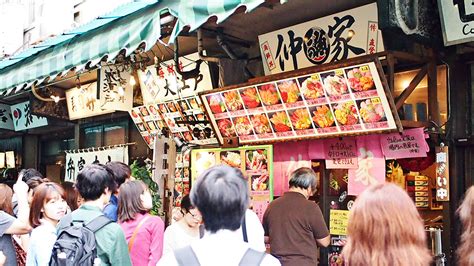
{"points": [[193, 102], [231, 158], [260, 123], [250, 98], [269, 94], [360, 79], [322, 116], [346, 113], [226, 128], [335, 85], [300, 119], [216, 103], [232, 100], [371, 110], [204, 160], [289, 91], [243, 126], [311, 87], [260, 182], [280, 121], [256, 160]]}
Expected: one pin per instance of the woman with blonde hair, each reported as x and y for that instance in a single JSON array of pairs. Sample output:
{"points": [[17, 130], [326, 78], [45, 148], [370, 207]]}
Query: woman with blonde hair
{"points": [[465, 251], [385, 229]]}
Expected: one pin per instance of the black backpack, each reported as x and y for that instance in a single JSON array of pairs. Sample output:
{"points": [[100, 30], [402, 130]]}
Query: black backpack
{"points": [[76, 244]]}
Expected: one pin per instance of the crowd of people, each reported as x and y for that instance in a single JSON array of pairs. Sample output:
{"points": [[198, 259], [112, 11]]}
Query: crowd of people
{"points": [[103, 219]]}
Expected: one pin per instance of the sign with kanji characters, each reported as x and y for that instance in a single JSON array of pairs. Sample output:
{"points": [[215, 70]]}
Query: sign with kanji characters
{"points": [[338, 221], [160, 83], [340, 153], [24, 119], [115, 90], [410, 143], [457, 21], [442, 174], [84, 102], [75, 161], [337, 37], [6, 119]]}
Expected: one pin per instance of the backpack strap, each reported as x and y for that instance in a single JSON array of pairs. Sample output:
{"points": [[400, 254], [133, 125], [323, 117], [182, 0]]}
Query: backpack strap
{"points": [[97, 223], [186, 256], [252, 257], [244, 230]]}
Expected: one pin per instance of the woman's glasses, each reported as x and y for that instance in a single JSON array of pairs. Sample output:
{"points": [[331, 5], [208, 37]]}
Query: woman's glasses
{"points": [[195, 215]]}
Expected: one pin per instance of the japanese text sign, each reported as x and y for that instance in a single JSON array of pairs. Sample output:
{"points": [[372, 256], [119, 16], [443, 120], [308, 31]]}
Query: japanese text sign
{"points": [[335, 102], [340, 153], [115, 90], [84, 102], [324, 40], [338, 221], [410, 143], [6, 119], [161, 82], [24, 119], [442, 174], [457, 21]]}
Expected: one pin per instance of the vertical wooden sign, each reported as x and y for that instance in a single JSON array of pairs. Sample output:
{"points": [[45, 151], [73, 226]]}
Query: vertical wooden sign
{"points": [[442, 174]]}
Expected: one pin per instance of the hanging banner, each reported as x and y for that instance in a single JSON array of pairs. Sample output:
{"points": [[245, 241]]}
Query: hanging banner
{"points": [[115, 90], [6, 119], [83, 102], [410, 143], [75, 162], [24, 119], [329, 39], [10, 159], [442, 174], [457, 21], [334, 102], [338, 221], [255, 162], [162, 83], [371, 165], [2, 160], [340, 153]]}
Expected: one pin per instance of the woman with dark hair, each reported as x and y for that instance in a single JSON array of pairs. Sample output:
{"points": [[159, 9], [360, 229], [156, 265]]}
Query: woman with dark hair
{"points": [[71, 195], [47, 208], [384, 229], [465, 251], [185, 231], [143, 231]]}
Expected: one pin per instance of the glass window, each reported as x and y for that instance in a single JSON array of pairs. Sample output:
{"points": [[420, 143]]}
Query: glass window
{"points": [[114, 134], [105, 135], [93, 137]]}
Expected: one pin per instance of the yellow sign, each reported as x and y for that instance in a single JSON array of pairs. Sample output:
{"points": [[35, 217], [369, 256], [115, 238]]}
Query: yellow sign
{"points": [[338, 222]]}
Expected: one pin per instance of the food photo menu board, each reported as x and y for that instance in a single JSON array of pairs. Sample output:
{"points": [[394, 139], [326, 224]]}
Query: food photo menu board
{"points": [[255, 162], [342, 101], [154, 119]]}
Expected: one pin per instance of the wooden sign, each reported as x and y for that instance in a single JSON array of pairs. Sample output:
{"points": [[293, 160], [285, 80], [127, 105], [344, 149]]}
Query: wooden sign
{"points": [[23, 118], [442, 174]]}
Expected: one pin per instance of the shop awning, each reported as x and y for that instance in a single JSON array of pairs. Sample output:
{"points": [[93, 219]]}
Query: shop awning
{"points": [[124, 29]]}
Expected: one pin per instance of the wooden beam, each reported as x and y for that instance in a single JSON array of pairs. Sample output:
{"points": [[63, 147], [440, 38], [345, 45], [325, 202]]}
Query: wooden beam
{"points": [[413, 124], [403, 56], [415, 81], [391, 73], [433, 106]]}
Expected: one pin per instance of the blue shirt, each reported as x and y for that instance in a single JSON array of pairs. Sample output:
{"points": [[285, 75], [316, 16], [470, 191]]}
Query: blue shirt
{"points": [[42, 240], [111, 209]]}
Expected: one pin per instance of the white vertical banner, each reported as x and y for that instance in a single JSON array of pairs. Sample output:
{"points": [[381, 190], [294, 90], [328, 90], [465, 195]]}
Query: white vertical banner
{"points": [[24, 119], [164, 160], [75, 162]]}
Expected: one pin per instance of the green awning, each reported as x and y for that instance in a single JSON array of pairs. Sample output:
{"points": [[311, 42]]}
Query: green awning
{"points": [[124, 29]]}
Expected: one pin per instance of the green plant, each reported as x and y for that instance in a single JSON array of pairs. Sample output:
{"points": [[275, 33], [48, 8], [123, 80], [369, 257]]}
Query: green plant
{"points": [[143, 174]]}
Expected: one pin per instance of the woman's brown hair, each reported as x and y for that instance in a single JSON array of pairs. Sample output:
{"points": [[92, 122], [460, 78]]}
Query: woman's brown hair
{"points": [[465, 251], [71, 195], [385, 228], [6, 195], [129, 202], [43, 194]]}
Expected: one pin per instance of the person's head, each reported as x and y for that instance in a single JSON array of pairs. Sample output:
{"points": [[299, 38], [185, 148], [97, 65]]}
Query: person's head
{"points": [[221, 195], [385, 228], [6, 194], [48, 204], [465, 211], [33, 183], [95, 182], [121, 172], [26, 174], [305, 179], [10, 176], [134, 197], [191, 215], [71, 195]]}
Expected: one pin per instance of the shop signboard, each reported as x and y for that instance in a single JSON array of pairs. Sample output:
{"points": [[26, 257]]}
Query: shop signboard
{"points": [[338, 221], [255, 162], [84, 102], [6, 119], [337, 101], [115, 88], [76, 160], [154, 119], [410, 143], [10, 159], [336, 37], [160, 82], [442, 174], [24, 119], [457, 21]]}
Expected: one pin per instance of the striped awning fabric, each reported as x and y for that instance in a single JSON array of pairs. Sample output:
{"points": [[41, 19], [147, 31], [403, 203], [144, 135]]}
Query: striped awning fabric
{"points": [[124, 29]]}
